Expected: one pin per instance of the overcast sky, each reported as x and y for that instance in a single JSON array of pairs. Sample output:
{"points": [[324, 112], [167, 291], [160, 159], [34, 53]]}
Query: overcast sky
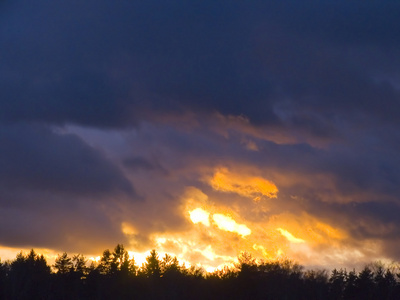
{"points": [[202, 128]]}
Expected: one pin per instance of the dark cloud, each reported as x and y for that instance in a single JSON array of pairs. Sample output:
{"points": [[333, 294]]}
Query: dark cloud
{"points": [[54, 188], [375, 221], [304, 94], [140, 163], [113, 63], [352, 188], [36, 158], [62, 227]]}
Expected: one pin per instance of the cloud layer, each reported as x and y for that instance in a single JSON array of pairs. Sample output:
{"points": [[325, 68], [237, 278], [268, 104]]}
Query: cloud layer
{"points": [[120, 118]]}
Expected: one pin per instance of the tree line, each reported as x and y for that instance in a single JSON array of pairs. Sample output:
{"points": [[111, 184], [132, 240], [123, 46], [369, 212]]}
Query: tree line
{"points": [[116, 276]]}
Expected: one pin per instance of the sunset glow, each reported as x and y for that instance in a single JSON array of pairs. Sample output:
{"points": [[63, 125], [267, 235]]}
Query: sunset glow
{"points": [[227, 223], [290, 236], [214, 233], [199, 215], [201, 130], [247, 186]]}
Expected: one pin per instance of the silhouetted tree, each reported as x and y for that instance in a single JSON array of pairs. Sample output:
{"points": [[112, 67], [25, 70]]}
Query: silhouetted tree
{"points": [[247, 280], [389, 286], [169, 265], [4, 271], [29, 277], [151, 271], [64, 281], [63, 264], [79, 266], [337, 284], [316, 284], [350, 289], [365, 284], [279, 279], [151, 267], [247, 263], [121, 261], [384, 281], [106, 262]]}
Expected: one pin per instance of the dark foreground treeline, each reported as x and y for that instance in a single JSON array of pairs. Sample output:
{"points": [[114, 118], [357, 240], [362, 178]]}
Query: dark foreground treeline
{"points": [[118, 277]]}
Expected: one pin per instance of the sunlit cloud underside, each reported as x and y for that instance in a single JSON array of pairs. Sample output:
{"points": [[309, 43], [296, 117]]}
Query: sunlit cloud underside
{"points": [[217, 233]]}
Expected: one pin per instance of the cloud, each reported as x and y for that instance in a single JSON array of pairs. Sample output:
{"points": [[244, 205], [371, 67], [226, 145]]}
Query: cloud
{"points": [[290, 236], [253, 187], [53, 190], [199, 215], [36, 158], [228, 224], [106, 65], [106, 103], [315, 191]]}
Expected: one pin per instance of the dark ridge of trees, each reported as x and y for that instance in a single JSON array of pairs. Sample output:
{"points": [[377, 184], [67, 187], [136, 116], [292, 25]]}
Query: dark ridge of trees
{"points": [[116, 276]]}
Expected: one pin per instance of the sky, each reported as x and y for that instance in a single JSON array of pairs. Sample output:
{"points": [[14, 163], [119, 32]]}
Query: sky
{"points": [[201, 129]]}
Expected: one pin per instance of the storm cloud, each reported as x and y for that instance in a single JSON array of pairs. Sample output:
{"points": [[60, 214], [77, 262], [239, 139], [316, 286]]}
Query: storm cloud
{"points": [[121, 114]]}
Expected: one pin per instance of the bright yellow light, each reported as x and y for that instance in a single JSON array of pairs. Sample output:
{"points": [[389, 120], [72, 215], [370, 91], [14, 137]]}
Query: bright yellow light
{"points": [[208, 253], [199, 215], [161, 241], [227, 229], [139, 257], [290, 237], [95, 259], [211, 269], [247, 186], [228, 224]]}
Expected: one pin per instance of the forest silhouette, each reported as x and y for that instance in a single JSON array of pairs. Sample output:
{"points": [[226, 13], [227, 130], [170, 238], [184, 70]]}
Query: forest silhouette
{"points": [[116, 276]]}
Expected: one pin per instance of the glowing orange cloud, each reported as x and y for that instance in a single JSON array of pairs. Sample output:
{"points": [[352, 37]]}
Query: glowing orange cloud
{"points": [[216, 232], [199, 215], [247, 186], [228, 224], [223, 222], [128, 229], [290, 237]]}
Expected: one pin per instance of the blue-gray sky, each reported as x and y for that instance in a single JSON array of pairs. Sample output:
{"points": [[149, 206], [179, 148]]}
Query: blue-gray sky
{"points": [[119, 118]]}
